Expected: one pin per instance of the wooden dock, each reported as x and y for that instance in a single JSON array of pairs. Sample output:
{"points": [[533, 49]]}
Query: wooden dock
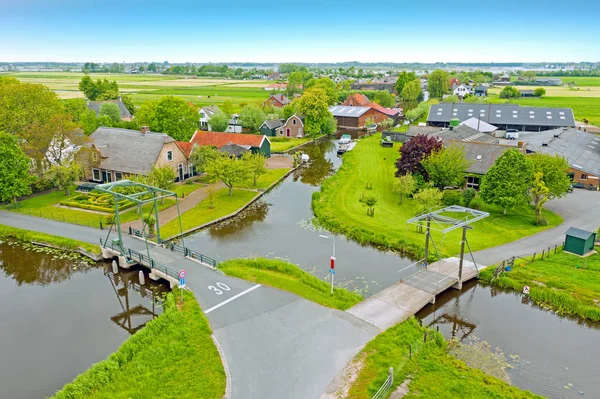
{"points": [[405, 298]]}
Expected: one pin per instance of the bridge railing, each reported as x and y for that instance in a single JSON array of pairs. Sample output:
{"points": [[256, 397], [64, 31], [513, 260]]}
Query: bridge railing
{"points": [[151, 263], [385, 387]]}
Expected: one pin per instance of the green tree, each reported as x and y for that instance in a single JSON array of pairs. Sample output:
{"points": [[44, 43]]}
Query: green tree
{"points": [[539, 195], [412, 91], [14, 169], [529, 75], [554, 176], [327, 85], [468, 196], [252, 117], [438, 83], [447, 167], [170, 115], [329, 126], [405, 185], [202, 156], [100, 89], [256, 165], [384, 98], [229, 170], [539, 92], [314, 106], [403, 78], [507, 183], [294, 83], [219, 122], [370, 201], [450, 99], [426, 200], [128, 102], [65, 175], [112, 111], [162, 177], [227, 107], [510, 92], [289, 110]]}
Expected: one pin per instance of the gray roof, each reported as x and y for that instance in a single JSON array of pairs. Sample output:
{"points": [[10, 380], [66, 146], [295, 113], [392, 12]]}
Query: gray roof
{"points": [[235, 149], [210, 110], [502, 114], [481, 88], [579, 233], [481, 155], [480, 125], [128, 151], [348, 111], [425, 130], [581, 149], [273, 123], [466, 134], [96, 105], [281, 98]]}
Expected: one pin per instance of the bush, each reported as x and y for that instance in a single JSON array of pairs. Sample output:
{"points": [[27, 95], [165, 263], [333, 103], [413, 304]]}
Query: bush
{"points": [[510, 92], [468, 196], [452, 197], [476, 203], [539, 92], [41, 184], [109, 219]]}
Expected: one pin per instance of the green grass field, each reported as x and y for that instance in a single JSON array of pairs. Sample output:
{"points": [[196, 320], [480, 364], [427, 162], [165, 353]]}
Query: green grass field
{"points": [[433, 373], [173, 356], [289, 277], [567, 283], [337, 208]]}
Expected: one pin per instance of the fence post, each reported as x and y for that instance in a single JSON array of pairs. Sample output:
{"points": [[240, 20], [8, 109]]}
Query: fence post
{"points": [[425, 336], [101, 225], [533, 259], [542, 254], [548, 254], [555, 248]]}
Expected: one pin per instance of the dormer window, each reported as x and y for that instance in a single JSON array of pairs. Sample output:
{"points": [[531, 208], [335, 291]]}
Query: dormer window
{"points": [[169, 156]]}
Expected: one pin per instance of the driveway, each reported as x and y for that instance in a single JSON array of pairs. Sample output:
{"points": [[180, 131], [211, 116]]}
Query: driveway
{"points": [[581, 209]]}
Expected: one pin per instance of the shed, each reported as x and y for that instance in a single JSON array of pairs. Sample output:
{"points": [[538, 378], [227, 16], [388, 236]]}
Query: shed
{"points": [[579, 242]]}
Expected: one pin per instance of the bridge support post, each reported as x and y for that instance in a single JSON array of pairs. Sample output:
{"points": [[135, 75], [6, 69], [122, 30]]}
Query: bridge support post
{"points": [[427, 233], [458, 285]]}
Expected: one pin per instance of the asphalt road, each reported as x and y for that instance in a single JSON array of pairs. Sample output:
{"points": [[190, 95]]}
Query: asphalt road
{"points": [[277, 345], [581, 209]]}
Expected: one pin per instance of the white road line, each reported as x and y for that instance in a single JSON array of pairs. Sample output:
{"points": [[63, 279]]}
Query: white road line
{"points": [[225, 302]]}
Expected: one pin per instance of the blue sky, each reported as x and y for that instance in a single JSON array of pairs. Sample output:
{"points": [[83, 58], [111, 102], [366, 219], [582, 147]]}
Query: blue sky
{"points": [[302, 31]]}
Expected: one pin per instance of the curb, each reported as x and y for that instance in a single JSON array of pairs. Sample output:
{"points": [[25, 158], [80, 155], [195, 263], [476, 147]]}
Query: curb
{"points": [[225, 367]]}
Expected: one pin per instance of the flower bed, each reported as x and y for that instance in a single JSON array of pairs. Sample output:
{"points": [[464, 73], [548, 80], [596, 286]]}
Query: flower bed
{"points": [[96, 202]]}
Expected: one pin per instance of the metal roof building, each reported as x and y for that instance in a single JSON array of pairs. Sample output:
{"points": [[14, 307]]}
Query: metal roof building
{"points": [[348, 110], [503, 116]]}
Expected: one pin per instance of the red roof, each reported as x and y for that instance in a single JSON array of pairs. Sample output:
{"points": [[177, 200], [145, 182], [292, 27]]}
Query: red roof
{"points": [[220, 139], [357, 100], [186, 147], [387, 111]]}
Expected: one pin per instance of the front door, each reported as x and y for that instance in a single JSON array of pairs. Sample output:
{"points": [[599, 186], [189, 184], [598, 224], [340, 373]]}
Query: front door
{"points": [[287, 132], [106, 176], [180, 172]]}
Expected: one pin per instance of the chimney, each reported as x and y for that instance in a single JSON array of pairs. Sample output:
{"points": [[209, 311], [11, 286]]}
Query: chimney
{"points": [[145, 129]]}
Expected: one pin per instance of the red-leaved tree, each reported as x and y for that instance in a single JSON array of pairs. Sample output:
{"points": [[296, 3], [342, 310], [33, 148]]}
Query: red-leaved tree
{"points": [[413, 152]]}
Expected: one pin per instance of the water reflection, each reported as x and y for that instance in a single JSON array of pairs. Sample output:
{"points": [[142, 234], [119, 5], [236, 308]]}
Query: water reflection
{"points": [[256, 212], [318, 167]]}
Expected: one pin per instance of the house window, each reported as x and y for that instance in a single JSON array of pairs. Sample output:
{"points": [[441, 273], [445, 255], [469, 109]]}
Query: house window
{"points": [[95, 156], [96, 174], [294, 122], [473, 182], [281, 132], [583, 177], [191, 169], [202, 115], [118, 176], [169, 156]]}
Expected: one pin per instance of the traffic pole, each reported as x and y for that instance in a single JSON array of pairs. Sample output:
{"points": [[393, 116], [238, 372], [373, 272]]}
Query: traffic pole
{"points": [[332, 271]]}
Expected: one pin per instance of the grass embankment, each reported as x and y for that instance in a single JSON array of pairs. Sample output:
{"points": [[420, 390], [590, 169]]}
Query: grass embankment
{"points": [[202, 213], [289, 277], [264, 181], [337, 208], [49, 239], [282, 144], [173, 356], [564, 282], [432, 371]]}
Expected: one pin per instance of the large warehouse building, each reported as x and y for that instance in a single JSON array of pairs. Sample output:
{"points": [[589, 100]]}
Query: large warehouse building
{"points": [[503, 116]]}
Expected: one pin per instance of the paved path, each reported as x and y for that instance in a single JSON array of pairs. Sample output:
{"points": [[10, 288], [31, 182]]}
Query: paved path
{"points": [[277, 345], [581, 209]]}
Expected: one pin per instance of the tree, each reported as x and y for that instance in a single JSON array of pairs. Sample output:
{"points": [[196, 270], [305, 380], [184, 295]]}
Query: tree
{"points": [[227, 107], [14, 169], [251, 117], [412, 91], [510, 92], [403, 78], [450, 99], [256, 165], [162, 177], [507, 183], [384, 98], [65, 175], [100, 89], [427, 199], [446, 167], [202, 156], [112, 111], [416, 113], [554, 178], [370, 201], [128, 102], [413, 152], [539, 92], [438, 83], [329, 126], [294, 83], [327, 85], [219, 122], [539, 195], [289, 110], [229, 170], [170, 115], [529, 75], [405, 185], [314, 106]]}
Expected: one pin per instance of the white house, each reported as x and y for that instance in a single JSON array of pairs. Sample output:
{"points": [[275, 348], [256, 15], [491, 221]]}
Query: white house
{"points": [[462, 90], [206, 113]]}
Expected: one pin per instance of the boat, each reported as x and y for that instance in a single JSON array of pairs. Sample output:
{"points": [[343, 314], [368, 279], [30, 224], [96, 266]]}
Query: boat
{"points": [[345, 139]]}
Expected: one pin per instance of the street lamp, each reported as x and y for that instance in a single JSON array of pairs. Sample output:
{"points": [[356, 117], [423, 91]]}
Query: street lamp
{"points": [[332, 264]]}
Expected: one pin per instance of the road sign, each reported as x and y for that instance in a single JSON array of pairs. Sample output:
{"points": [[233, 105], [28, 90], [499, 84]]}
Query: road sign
{"points": [[332, 263], [182, 274], [182, 282], [332, 271], [526, 289]]}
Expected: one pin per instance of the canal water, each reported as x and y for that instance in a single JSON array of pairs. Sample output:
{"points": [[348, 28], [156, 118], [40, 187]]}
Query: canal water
{"points": [[59, 316]]}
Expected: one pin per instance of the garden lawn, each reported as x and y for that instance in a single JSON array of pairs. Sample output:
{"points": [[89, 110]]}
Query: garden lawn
{"points": [[201, 213], [264, 181], [54, 241], [434, 373], [289, 277], [46, 206], [338, 209], [186, 189], [567, 283], [282, 144], [173, 356]]}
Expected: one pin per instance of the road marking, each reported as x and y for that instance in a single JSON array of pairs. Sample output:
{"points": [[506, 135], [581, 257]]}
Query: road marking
{"points": [[225, 302]]}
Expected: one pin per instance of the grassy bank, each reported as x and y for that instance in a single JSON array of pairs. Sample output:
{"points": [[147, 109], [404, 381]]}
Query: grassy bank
{"points": [[337, 208], [282, 144], [202, 213], [432, 371], [290, 277], [563, 282], [52, 240], [172, 357], [264, 181]]}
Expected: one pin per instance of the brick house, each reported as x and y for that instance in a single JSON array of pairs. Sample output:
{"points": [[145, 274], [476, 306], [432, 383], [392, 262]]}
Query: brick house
{"points": [[357, 100], [350, 117], [277, 100]]}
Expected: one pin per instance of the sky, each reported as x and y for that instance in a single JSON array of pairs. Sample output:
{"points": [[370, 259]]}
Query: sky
{"points": [[302, 31]]}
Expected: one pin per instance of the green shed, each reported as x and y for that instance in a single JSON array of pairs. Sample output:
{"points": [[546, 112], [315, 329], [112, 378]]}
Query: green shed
{"points": [[579, 242], [269, 128]]}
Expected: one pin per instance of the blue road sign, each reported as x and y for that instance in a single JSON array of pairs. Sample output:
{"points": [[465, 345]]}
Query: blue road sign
{"points": [[332, 271], [182, 282]]}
